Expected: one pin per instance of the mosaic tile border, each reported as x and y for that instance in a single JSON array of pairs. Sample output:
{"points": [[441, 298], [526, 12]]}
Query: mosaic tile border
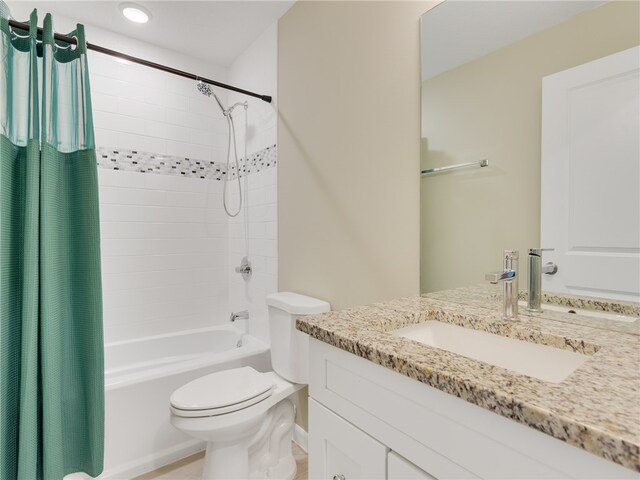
{"points": [[146, 162]]}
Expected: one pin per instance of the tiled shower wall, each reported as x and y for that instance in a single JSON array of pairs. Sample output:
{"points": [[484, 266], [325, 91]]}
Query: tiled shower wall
{"points": [[256, 69], [164, 253], [164, 238]]}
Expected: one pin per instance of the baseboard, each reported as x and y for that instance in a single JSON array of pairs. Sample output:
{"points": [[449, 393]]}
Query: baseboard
{"points": [[146, 464], [301, 437]]}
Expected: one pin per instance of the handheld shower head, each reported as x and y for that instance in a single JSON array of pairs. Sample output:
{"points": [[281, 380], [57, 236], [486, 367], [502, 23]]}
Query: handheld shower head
{"points": [[205, 89]]}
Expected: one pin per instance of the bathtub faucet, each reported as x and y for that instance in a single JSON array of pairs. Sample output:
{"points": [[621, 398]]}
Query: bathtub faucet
{"points": [[244, 314]]}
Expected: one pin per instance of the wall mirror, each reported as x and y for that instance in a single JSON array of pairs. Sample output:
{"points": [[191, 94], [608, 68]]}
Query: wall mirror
{"points": [[547, 94]]}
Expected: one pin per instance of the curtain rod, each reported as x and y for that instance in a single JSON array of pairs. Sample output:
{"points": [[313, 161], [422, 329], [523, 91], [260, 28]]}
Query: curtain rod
{"points": [[141, 61]]}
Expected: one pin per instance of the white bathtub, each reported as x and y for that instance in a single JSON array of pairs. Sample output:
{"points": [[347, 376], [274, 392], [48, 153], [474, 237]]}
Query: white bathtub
{"points": [[140, 376]]}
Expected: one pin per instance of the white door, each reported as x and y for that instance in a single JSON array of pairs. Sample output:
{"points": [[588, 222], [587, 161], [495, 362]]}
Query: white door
{"points": [[341, 451], [590, 195]]}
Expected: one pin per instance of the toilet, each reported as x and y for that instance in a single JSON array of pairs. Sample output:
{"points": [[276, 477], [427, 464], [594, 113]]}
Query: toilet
{"points": [[246, 417]]}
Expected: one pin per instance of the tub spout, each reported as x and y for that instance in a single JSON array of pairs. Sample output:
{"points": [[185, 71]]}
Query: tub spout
{"points": [[244, 314]]}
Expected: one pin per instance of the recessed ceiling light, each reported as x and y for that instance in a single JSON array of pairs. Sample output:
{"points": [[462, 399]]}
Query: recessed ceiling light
{"points": [[134, 12]]}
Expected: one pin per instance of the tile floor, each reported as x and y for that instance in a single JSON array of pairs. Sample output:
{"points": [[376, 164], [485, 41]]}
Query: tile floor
{"points": [[190, 468]]}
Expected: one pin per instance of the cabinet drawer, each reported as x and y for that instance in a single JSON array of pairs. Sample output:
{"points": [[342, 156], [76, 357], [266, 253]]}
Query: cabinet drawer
{"points": [[399, 468], [340, 451]]}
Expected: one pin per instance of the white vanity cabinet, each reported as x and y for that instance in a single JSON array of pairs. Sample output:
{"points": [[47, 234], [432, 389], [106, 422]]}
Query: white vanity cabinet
{"points": [[342, 450], [369, 422]]}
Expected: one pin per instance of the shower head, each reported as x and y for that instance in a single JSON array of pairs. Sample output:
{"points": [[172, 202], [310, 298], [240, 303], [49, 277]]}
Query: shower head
{"points": [[205, 89]]}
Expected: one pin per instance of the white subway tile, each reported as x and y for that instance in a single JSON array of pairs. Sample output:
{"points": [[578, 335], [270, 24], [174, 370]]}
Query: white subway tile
{"points": [[258, 213], [257, 197], [270, 248], [100, 64], [121, 213], [179, 134], [189, 150], [140, 75], [119, 178], [137, 280], [203, 138], [156, 129], [104, 103], [272, 213], [271, 194], [117, 122], [141, 143], [121, 196], [173, 214], [271, 176], [271, 230], [175, 101], [143, 110], [182, 118], [272, 267], [150, 263], [121, 230], [107, 138], [257, 230]]}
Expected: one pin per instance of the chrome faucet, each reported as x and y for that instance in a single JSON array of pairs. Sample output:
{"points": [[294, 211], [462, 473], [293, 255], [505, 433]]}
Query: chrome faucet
{"points": [[244, 314], [245, 269], [509, 279], [536, 270]]}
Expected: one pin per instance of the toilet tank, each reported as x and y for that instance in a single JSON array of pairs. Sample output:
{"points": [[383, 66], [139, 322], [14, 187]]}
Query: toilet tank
{"points": [[290, 347]]}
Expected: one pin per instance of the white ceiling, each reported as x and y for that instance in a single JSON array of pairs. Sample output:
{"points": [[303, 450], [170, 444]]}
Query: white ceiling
{"points": [[216, 31], [456, 32]]}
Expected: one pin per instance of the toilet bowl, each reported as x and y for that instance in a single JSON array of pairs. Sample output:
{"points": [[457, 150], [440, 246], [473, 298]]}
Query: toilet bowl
{"points": [[246, 417]]}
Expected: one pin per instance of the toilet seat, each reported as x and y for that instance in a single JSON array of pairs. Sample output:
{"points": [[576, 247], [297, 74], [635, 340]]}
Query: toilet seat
{"points": [[221, 393]]}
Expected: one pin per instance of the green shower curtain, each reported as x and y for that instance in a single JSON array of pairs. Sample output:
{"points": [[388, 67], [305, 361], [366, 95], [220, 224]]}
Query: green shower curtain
{"points": [[51, 347]]}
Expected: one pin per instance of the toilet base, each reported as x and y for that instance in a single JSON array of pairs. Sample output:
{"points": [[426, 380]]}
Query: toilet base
{"points": [[286, 469], [266, 454]]}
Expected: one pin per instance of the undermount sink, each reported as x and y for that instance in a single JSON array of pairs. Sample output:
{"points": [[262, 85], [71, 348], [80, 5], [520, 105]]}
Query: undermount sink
{"points": [[579, 311], [532, 359]]}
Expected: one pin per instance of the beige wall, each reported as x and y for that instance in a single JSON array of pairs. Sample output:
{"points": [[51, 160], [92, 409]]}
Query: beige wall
{"points": [[491, 108], [349, 151]]}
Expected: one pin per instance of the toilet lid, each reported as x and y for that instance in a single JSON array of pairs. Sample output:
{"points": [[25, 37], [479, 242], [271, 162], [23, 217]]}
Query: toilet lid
{"points": [[212, 412], [222, 389]]}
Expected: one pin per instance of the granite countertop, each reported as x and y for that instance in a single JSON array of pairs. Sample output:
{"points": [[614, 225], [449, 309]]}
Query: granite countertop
{"points": [[597, 408]]}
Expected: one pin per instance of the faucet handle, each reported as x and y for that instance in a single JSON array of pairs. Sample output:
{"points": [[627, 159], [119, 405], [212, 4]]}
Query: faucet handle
{"points": [[538, 251], [510, 260], [496, 277]]}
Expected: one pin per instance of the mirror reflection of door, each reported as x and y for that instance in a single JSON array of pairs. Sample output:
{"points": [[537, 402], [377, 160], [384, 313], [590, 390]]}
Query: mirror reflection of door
{"points": [[590, 211], [482, 98]]}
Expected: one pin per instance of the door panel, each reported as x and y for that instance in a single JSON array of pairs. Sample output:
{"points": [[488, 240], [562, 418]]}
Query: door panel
{"points": [[340, 451], [590, 195]]}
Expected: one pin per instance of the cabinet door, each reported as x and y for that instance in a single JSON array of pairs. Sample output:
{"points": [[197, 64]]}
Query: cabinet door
{"points": [[340, 451], [399, 468]]}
